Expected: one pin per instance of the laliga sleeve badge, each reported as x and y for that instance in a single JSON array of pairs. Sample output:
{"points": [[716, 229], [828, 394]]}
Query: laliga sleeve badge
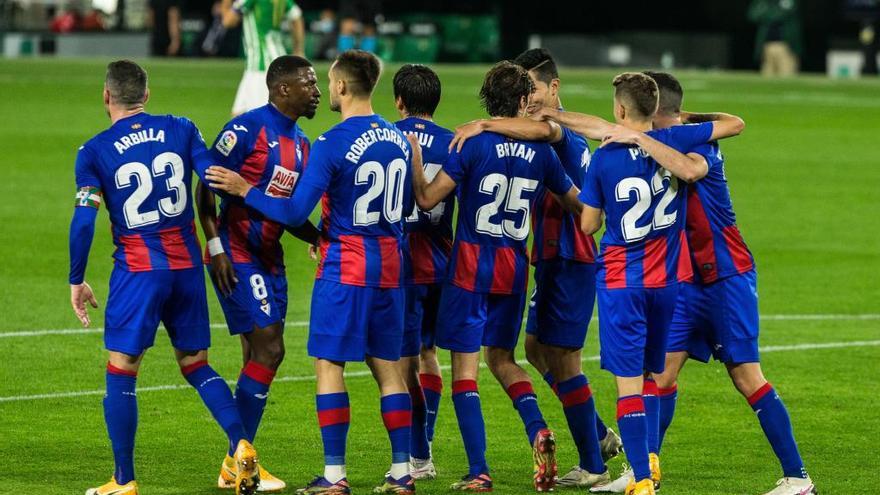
{"points": [[226, 142]]}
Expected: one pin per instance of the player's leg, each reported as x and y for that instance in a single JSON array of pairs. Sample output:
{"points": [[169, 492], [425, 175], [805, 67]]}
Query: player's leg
{"points": [[334, 417], [535, 353], [500, 338], [430, 378], [736, 324], [667, 391], [460, 330], [409, 370], [385, 320]]}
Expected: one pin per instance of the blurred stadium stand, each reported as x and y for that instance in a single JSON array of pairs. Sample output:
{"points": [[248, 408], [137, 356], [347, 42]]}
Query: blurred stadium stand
{"points": [[837, 34]]}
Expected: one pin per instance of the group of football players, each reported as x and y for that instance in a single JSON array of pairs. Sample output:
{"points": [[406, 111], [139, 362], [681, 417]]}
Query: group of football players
{"points": [[396, 279]]}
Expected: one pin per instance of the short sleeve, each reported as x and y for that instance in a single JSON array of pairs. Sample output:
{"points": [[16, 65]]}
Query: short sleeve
{"points": [[86, 169], [455, 164], [321, 166], [687, 137], [591, 189], [555, 177]]}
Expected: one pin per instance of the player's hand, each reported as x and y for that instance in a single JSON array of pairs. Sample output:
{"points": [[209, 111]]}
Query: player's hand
{"points": [[79, 295], [416, 148], [223, 274], [314, 252], [543, 114], [621, 134], [227, 180], [465, 132]]}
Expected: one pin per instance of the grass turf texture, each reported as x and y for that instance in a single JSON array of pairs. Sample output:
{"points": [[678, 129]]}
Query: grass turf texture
{"points": [[805, 183]]}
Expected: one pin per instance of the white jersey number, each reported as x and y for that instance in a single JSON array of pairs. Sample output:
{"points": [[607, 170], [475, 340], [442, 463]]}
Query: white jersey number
{"points": [[507, 192], [643, 195], [167, 206], [390, 184], [436, 213]]}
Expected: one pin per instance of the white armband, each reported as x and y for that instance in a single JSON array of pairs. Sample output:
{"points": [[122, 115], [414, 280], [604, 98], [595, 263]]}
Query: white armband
{"points": [[215, 247]]}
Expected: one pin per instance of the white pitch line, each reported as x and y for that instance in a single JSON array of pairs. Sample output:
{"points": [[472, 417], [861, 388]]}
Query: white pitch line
{"points": [[302, 324], [358, 374]]}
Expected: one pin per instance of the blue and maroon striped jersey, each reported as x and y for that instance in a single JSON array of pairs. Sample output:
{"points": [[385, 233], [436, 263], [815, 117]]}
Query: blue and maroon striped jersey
{"points": [[362, 167], [142, 166], [270, 151], [558, 232], [428, 234], [497, 180], [716, 245], [645, 209]]}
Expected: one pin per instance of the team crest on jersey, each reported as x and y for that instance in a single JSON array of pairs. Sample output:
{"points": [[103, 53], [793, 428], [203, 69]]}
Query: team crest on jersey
{"points": [[374, 125], [281, 185], [136, 126], [420, 126], [226, 142]]}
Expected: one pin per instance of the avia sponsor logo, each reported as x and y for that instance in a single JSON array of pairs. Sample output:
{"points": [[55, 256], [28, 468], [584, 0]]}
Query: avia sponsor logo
{"points": [[281, 185]]}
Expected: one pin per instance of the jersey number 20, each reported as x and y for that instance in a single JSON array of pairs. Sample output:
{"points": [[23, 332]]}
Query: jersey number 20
{"points": [[170, 208], [390, 182]]}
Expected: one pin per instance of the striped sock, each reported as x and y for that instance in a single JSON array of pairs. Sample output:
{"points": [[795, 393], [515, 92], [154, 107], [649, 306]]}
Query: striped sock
{"points": [[526, 404], [550, 381], [121, 417], [418, 445], [432, 386], [776, 424], [651, 399], [634, 433], [668, 398], [468, 412], [218, 398], [397, 416], [251, 394], [334, 416], [580, 412]]}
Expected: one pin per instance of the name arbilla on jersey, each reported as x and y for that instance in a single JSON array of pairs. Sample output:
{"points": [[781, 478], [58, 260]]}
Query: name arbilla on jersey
{"points": [[143, 136], [281, 185]]}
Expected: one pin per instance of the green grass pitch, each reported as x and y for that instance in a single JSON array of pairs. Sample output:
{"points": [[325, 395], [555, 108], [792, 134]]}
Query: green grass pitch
{"points": [[805, 178]]}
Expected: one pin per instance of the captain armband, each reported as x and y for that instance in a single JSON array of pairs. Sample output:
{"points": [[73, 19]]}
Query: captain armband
{"points": [[88, 196]]}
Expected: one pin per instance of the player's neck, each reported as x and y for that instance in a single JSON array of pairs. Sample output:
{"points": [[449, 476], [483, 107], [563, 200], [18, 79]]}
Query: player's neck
{"points": [[357, 108], [664, 121], [283, 111], [429, 118], [119, 113], [638, 125]]}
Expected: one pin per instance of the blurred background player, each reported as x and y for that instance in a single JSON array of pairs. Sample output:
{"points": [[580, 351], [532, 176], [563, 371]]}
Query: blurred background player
{"points": [[640, 266], [142, 166], [483, 299], [426, 248], [270, 150], [361, 169], [359, 16], [717, 314], [565, 278], [163, 17], [262, 37]]}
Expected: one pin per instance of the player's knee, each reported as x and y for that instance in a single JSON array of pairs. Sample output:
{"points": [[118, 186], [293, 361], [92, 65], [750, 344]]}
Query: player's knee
{"points": [[667, 379], [533, 353], [498, 359], [747, 377]]}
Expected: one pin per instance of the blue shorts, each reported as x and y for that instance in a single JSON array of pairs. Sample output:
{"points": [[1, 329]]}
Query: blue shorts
{"points": [[259, 299], [718, 320], [420, 319], [562, 302], [349, 322], [469, 320], [138, 301], [633, 327]]}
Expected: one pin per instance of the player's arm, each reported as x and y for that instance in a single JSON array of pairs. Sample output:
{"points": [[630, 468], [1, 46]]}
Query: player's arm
{"points": [[589, 126], [173, 30], [82, 232], [307, 232], [516, 127], [297, 30], [230, 13], [222, 272], [689, 168], [724, 125], [427, 194], [591, 220], [592, 197]]}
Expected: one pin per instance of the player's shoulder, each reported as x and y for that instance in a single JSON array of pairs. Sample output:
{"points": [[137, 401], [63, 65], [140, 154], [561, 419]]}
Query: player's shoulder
{"points": [[711, 151]]}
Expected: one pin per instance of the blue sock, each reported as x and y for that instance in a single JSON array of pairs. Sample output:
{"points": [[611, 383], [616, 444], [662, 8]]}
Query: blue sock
{"points": [[432, 386], [334, 416], [466, 399], [776, 424], [651, 399], [397, 416], [218, 398], [668, 398], [346, 42], [550, 381], [121, 416], [418, 445], [634, 433], [601, 429], [526, 404], [369, 44], [580, 412], [251, 394]]}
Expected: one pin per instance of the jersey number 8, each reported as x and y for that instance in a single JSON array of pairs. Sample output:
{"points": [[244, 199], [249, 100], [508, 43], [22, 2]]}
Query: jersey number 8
{"points": [[170, 208]]}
